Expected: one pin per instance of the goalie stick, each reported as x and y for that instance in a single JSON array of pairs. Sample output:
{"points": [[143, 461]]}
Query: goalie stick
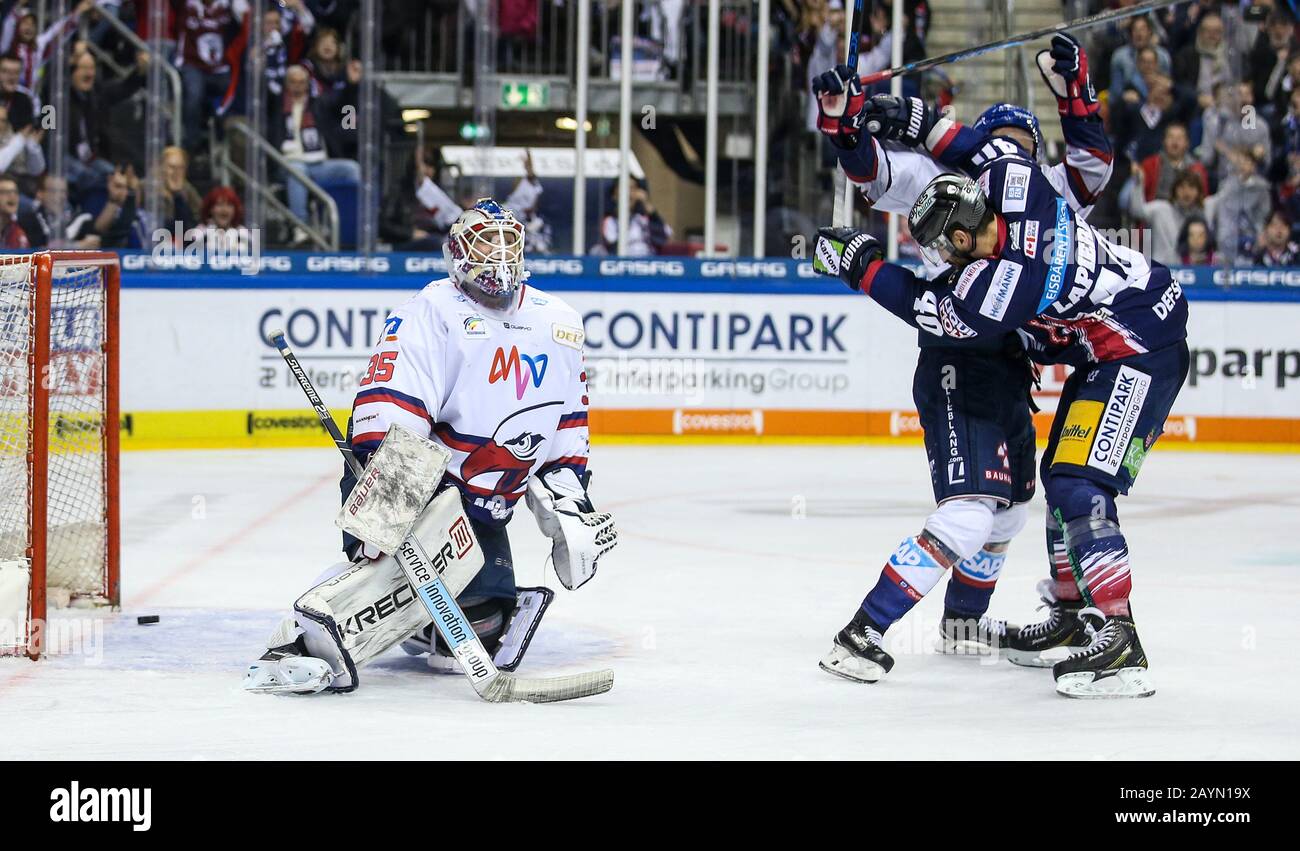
{"points": [[1017, 40], [491, 684]]}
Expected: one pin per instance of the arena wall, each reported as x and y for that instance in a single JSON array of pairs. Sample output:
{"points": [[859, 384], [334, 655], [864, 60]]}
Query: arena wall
{"points": [[677, 349]]}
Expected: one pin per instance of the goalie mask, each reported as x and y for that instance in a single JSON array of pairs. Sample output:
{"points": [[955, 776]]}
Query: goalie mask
{"points": [[950, 202], [485, 254]]}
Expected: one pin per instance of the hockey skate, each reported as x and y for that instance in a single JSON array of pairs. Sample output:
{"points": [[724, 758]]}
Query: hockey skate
{"points": [[967, 636], [858, 653], [1113, 665], [1061, 629], [286, 668]]}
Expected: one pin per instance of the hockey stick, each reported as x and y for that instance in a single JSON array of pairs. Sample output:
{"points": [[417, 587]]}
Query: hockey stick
{"points": [[491, 684], [843, 204], [1017, 40]]}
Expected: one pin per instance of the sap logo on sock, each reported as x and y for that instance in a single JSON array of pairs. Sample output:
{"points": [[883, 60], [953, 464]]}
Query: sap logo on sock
{"points": [[983, 565], [75, 804]]}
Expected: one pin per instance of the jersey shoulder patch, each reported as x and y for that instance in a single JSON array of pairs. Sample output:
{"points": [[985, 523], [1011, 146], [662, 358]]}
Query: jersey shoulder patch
{"points": [[1015, 188]]}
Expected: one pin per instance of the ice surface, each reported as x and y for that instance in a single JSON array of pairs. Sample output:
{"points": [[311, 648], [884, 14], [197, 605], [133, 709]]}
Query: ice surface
{"points": [[737, 565]]}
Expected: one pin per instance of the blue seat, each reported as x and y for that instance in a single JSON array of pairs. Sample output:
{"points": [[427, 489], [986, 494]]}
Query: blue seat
{"points": [[345, 196]]}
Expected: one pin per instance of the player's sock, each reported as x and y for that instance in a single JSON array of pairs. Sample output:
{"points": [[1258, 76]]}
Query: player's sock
{"points": [[1058, 563], [1098, 554], [914, 568], [964, 629], [970, 588]]}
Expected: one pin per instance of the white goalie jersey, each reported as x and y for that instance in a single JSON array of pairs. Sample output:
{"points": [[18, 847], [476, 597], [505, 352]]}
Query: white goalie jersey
{"points": [[506, 393]]}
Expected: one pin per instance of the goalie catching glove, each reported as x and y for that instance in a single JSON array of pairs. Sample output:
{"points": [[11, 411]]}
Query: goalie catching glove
{"points": [[579, 534], [1065, 69]]}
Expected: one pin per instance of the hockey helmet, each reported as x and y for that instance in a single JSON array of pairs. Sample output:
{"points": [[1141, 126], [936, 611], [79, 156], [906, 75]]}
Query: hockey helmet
{"points": [[1010, 115], [485, 254], [948, 202]]}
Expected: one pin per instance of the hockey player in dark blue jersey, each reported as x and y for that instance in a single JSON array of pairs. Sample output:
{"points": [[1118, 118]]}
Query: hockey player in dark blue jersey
{"points": [[1029, 263], [972, 395]]}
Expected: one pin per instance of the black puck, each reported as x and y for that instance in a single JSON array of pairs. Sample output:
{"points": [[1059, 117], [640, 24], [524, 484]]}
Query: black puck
{"points": [[146, 619]]}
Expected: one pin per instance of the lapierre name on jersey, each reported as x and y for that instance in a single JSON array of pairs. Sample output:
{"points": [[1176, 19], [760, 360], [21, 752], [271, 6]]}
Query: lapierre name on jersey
{"points": [[1076, 297], [505, 393]]}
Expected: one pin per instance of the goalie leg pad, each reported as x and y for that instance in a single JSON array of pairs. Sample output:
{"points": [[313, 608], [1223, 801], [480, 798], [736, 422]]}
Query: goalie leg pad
{"points": [[354, 616]]}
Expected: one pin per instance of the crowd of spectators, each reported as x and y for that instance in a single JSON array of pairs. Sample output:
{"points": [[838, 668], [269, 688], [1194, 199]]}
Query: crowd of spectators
{"points": [[102, 201], [1201, 104], [1201, 100]]}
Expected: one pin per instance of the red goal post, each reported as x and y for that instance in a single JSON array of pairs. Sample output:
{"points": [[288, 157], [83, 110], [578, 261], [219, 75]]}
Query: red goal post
{"points": [[59, 429]]}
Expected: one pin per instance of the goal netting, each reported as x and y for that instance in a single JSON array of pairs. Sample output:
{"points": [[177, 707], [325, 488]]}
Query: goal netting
{"points": [[58, 432]]}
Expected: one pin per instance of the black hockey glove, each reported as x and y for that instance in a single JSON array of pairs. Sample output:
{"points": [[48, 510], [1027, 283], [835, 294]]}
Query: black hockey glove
{"points": [[845, 253], [905, 120], [1065, 70]]}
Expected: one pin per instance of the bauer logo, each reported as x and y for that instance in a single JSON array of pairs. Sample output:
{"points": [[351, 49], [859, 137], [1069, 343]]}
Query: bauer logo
{"points": [[1119, 420], [125, 806]]}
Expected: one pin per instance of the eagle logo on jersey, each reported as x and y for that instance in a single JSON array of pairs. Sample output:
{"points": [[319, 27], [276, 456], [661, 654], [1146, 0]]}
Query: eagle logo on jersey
{"points": [[512, 457]]}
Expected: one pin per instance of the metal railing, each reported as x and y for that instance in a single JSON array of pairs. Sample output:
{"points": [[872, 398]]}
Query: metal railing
{"points": [[440, 41], [173, 76], [326, 239]]}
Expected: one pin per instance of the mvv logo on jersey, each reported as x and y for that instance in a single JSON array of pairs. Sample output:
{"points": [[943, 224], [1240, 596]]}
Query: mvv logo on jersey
{"points": [[514, 364], [75, 804]]}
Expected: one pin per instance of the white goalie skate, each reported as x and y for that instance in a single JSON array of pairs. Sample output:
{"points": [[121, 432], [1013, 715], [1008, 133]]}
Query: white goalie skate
{"points": [[290, 674], [284, 669]]}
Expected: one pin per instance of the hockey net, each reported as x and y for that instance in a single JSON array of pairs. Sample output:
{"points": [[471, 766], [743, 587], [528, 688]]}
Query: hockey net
{"points": [[58, 439]]}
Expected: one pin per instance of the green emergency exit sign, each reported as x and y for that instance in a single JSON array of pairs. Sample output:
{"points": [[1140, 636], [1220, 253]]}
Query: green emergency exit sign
{"points": [[517, 94]]}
